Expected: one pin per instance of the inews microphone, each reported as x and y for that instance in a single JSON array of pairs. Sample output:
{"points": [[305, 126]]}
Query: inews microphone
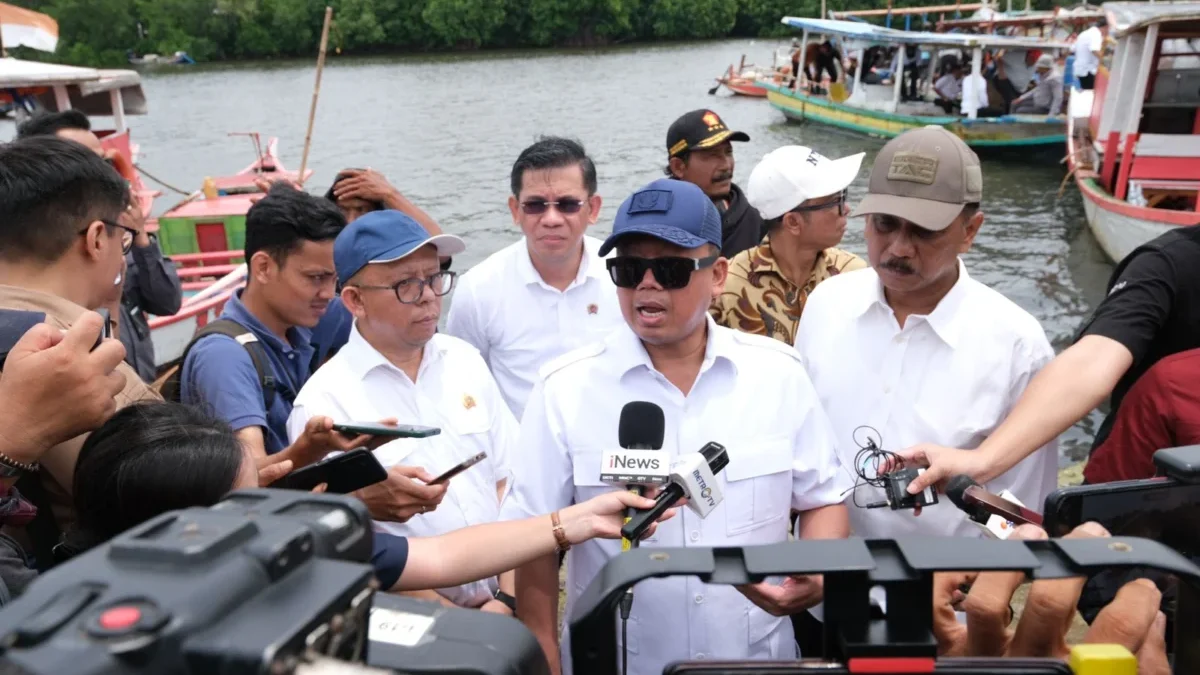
{"points": [[995, 514], [692, 476], [640, 462]]}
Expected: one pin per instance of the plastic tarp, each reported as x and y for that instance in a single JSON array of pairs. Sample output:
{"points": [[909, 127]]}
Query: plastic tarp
{"points": [[858, 34], [25, 28], [1129, 17]]}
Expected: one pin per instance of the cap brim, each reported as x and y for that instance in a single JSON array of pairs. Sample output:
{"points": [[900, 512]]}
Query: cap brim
{"points": [[719, 138], [446, 245], [926, 213], [667, 233]]}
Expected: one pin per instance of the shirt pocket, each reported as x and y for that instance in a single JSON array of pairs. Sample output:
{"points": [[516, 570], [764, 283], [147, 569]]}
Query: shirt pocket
{"points": [[585, 468], [758, 484]]}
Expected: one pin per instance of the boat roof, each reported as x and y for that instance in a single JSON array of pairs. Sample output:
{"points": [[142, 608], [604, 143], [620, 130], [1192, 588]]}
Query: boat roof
{"points": [[1079, 14], [1129, 17], [83, 85], [871, 34], [20, 27]]}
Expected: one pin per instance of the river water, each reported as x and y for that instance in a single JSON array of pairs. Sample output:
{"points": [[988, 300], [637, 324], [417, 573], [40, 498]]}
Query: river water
{"points": [[445, 129]]}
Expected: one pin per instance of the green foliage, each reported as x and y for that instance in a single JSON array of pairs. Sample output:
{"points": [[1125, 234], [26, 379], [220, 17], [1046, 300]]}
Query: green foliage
{"points": [[100, 32]]}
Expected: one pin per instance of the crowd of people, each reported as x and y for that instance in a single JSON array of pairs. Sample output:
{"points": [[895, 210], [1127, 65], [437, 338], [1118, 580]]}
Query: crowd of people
{"points": [[733, 310]]}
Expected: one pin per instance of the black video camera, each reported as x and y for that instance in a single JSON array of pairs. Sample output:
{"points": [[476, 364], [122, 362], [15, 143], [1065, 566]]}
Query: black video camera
{"points": [[267, 581]]}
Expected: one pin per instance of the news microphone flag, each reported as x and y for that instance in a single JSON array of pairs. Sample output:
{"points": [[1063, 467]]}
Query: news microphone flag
{"points": [[692, 476], [641, 461]]}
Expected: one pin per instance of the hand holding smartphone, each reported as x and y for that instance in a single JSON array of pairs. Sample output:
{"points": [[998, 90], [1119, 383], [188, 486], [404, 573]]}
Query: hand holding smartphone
{"points": [[461, 467], [353, 429], [106, 328]]}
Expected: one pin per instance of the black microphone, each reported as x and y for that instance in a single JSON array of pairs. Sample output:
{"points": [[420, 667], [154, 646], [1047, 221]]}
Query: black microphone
{"points": [[687, 480], [980, 505], [955, 489], [642, 427]]}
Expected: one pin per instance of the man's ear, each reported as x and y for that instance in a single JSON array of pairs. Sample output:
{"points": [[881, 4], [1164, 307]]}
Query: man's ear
{"points": [[720, 272], [352, 298], [95, 238], [594, 204], [972, 228], [514, 207], [260, 267], [677, 166]]}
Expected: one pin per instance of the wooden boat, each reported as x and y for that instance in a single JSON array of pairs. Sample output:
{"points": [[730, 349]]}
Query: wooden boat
{"points": [[744, 81], [1134, 143]]}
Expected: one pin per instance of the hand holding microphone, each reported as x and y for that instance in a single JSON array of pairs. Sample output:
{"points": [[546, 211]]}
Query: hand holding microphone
{"points": [[640, 463], [997, 514], [693, 477]]}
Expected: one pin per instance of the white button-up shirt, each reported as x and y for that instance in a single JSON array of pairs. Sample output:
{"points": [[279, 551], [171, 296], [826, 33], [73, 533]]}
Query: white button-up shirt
{"points": [[752, 396], [519, 323], [455, 392], [949, 378]]}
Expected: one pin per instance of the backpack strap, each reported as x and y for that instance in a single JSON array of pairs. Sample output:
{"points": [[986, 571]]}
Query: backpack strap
{"points": [[171, 388]]}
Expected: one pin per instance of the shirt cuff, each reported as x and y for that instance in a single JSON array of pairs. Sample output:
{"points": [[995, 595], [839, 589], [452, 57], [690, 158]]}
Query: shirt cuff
{"points": [[389, 557]]}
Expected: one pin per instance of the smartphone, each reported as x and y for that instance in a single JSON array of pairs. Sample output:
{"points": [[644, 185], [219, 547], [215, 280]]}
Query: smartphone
{"points": [[14, 324], [106, 329], [374, 429], [463, 466], [342, 474], [975, 666], [1158, 508]]}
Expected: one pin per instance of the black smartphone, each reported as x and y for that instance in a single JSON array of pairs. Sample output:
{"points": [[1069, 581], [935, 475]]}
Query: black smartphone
{"points": [[462, 466], [811, 666], [1157, 508], [343, 474], [374, 429], [105, 329]]}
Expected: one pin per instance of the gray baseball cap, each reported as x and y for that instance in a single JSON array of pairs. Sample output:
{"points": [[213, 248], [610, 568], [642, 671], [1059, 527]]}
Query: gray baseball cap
{"points": [[924, 176]]}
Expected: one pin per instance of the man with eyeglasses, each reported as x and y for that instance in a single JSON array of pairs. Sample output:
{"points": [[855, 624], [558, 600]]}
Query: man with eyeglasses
{"points": [[802, 196], [62, 246], [547, 293], [914, 348], [396, 365], [712, 383]]}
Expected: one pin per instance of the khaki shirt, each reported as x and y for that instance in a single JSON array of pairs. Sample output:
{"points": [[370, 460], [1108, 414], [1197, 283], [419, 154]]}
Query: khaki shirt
{"points": [[58, 464], [759, 299]]}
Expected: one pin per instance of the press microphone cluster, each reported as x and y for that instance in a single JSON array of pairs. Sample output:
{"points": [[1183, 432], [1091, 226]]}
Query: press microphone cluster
{"points": [[692, 476], [995, 514], [640, 462]]}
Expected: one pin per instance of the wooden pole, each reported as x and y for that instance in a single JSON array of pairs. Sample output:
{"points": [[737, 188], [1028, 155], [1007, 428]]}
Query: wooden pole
{"points": [[823, 15], [312, 112]]}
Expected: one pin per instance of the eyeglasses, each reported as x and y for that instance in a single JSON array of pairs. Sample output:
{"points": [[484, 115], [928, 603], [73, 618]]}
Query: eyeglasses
{"points": [[672, 273], [840, 203], [127, 234], [409, 291], [536, 207]]}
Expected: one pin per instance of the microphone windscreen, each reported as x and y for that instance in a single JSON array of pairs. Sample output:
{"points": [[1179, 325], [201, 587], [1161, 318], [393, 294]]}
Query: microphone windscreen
{"points": [[956, 486], [642, 426]]}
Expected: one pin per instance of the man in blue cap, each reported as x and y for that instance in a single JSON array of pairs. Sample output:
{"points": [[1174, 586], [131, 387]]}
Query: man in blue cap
{"points": [[396, 365], [713, 384]]}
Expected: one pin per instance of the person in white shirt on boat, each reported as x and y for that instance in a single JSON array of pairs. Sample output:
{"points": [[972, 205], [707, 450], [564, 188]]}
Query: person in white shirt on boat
{"points": [[913, 348], [548, 293], [949, 88], [1047, 97], [395, 365], [1088, 50]]}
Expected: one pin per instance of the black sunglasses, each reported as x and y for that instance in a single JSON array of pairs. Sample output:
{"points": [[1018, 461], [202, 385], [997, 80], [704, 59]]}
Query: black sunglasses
{"points": [[672, 273], [536, 207], [840, 203]]}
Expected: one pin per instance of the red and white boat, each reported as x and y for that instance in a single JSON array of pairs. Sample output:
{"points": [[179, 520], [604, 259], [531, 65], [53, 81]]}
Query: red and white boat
{"points": [[744, 80], [1134, 141]]}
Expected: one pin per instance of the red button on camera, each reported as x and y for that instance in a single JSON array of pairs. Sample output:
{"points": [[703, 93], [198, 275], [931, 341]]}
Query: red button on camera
{"points": [[120, 618]]}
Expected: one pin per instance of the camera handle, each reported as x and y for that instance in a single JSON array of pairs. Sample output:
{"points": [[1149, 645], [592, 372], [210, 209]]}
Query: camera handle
{"points": [[903, 567]]}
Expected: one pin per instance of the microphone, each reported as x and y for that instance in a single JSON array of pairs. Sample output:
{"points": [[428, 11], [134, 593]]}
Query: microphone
{"points": [[995, 514], [640, 461], [692, 476]]}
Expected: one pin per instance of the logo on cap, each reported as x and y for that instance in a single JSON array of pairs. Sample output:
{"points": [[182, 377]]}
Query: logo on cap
{"points": [[814, 157], [651, 201], [913, 167], [710, 118]]}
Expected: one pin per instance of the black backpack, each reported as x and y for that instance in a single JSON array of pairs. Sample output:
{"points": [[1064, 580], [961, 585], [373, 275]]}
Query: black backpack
{"points": [[172, 383]]}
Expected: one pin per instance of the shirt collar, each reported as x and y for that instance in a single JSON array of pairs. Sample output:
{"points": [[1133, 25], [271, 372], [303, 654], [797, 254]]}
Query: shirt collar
{"points": [[299, 338], [361, 357], [588, 266], [762, 260], [945, 319], [53, 306], [630, 353]]}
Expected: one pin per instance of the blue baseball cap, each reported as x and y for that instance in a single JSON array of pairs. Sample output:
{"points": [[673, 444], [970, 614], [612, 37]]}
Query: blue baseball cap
{"points": [[383, 237], [673, 210]]}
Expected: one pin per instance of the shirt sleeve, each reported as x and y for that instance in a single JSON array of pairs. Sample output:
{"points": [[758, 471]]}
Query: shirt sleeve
{"points": [[220, 375], [504, 432], [818, 478], [389, 557], [1138, 303], [158, 289], [1142, 427], [297, 420], [462, 321], [542, 473]]}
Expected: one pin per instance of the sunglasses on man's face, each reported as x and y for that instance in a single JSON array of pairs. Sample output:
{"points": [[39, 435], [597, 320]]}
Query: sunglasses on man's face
{"points": [[536, 207], [672, 273]]}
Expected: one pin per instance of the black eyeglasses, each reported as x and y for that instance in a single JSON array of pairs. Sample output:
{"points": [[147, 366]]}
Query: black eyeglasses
{"points": [[840, 203], [672, 273], [409, 291], [127, 234], [536, 207]]}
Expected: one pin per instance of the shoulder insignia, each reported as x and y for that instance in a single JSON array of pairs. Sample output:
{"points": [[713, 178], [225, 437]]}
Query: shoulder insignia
{"points": [[586, 352]]}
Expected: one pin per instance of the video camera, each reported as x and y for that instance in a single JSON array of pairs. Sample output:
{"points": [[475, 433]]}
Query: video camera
{"points": [[267, 581]]}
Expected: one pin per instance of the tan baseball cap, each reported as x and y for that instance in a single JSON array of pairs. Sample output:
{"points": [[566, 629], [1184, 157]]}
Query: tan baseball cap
{"points": [[924, 176]]}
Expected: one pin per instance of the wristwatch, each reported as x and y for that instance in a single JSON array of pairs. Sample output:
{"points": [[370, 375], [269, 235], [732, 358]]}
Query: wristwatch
{"points": [[507, 599]]}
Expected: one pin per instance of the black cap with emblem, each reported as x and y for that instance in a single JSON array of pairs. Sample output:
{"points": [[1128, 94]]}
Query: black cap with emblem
{"points": [[697, 130]]}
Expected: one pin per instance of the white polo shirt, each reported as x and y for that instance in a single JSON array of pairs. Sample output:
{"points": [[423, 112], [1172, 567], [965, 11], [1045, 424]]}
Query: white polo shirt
{"points": [[455, 392], [949, 378], [519, 323], [752, 396]]}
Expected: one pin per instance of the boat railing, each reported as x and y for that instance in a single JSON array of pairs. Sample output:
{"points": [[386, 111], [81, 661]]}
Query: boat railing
{"points": [[175, 332]]}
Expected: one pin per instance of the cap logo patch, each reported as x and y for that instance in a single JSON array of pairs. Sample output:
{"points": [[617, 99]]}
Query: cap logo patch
{"points": [[651, 201], [913, 167], [710, 118], [814, 157], [974, 179]]}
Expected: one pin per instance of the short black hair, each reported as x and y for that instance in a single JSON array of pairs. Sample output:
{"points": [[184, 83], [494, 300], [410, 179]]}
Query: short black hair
{"points": [[286, 217], [50, 123], [50, 189], [554, 152]]}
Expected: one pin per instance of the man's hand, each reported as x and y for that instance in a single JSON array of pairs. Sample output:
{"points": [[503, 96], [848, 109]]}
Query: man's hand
{"points": [[941, 464], [794, 595], [55, 387], [1131, 620], [400, 497], [365, 184], [496, 607], [135, 219], [319, 439]]}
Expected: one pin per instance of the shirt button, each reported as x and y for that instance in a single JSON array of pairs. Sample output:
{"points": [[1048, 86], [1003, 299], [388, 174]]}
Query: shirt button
{"points": [[291, 356], [695, 535], [699, 599]]}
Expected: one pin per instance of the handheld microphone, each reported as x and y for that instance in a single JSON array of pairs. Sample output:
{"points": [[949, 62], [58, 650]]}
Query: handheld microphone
{"points": [[996, 514], [640, 461], [692, 476]]}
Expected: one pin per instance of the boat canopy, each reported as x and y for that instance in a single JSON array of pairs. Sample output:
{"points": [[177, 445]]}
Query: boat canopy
{"points": [[20, 27], [860, 34], [91, 91], [1130, 17]]}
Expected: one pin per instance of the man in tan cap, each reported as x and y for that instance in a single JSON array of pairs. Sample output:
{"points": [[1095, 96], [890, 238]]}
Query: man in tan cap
{"points": [[913, 348], [1047, 97]]}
